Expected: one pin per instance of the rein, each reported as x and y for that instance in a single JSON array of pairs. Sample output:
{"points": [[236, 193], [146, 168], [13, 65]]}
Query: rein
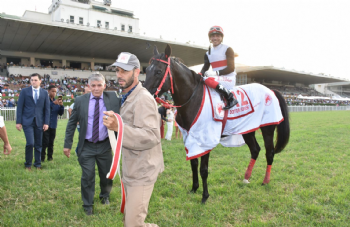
{"points": [[159, 100]]}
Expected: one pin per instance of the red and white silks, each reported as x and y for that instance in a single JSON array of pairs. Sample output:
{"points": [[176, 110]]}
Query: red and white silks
{"points": [[217, 57], [116, 145]]}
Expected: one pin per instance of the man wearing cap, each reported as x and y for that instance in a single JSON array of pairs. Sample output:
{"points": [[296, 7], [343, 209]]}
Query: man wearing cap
{"points": [[142, 155], [94, 146]]}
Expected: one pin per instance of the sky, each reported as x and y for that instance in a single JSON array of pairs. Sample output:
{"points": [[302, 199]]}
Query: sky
{"points": [[304, 35]]}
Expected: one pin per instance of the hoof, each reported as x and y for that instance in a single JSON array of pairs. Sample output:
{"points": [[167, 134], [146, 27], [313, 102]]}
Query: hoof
{"points": [[264, 184], [193, 191], [204, 199], [245, 181]]}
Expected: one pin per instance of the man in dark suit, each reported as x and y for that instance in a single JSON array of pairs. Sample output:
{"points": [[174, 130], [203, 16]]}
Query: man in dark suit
{"points": [[33, 113], [94, 143]]}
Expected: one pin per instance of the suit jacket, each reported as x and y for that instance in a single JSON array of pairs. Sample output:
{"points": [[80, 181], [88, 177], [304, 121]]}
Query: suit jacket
{"points": [[27, 110], [80, 114], [142, 151]]}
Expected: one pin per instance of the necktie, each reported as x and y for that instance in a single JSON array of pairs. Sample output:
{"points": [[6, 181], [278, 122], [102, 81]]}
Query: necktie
{"points": [[95, 126], [35, 96]]}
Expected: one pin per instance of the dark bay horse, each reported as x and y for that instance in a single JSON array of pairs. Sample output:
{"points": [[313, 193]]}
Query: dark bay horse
{"points": [[188, 91]]}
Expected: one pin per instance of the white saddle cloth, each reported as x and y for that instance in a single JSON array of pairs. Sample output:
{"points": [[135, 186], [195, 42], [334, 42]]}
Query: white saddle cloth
{"points": [[257, 106]]}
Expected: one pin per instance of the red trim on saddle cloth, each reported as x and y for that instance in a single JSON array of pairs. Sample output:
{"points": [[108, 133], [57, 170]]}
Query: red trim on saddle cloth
{"points": [[200, 109], [218, 64], [197, 156], [194, 121], [254, 129]]}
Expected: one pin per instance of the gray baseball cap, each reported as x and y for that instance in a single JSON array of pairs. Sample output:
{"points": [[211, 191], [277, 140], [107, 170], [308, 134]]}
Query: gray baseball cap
{"points": [[127, 61]]}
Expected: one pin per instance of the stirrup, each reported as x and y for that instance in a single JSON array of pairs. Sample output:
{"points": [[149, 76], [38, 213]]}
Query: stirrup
{"points": [[230, 104]]}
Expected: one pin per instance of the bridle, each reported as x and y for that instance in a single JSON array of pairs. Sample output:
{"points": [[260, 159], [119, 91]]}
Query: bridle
{"points": [[168, 71]]}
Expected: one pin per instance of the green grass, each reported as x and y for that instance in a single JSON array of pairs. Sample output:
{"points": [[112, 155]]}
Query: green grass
{"points": [[309, 183]]}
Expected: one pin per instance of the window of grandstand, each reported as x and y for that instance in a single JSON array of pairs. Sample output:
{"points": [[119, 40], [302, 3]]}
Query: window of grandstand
{"points": [[98, 23], [14, 61], [71, 19], [81, 20], [130, 29], [46, 63], [106, 24], [123, 27], [75, 65]]}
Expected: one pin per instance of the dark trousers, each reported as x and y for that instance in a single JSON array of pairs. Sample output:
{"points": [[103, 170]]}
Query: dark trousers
{"points": [[33, 136], [101, 154], [48, 140]]}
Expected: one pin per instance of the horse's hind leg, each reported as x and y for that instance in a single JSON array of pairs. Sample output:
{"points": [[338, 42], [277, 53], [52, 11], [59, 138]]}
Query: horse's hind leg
{"points": [[254, 151], [268, 133], [204, 175], [194, 167]]}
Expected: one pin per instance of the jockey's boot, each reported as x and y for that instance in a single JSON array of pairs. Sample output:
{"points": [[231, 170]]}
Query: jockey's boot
{"points": [[230, 99]]}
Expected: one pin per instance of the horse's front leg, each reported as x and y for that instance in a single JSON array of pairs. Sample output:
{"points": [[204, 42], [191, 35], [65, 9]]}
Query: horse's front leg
{"points": [[204, 175], [254, 148], [194, 167]]}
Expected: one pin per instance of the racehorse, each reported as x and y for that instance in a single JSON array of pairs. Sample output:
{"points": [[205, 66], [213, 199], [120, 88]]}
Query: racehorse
{"points": [[166, 73]]}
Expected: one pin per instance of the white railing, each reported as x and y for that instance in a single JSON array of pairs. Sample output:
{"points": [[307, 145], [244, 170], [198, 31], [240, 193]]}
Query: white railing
{"points": [[316, 108], [9, 113]]}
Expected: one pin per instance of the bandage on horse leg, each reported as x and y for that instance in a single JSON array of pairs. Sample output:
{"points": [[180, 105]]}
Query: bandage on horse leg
{"points": [[267, 175], [248, 173]]}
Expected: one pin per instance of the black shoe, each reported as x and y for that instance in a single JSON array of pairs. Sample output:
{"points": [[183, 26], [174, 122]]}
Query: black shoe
{"points": [[88, 212], [105, 201], [230, 99], [231, 102]]}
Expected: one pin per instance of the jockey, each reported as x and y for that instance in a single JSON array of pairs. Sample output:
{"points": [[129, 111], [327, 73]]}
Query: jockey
{"points": [[222, 59]]}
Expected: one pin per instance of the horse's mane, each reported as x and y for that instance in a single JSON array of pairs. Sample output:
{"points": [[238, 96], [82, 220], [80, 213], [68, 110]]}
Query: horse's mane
{"points": [[176, 59]]}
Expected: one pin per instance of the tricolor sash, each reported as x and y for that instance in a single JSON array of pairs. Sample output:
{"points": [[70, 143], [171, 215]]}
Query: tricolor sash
{"points": [[116, 145]]}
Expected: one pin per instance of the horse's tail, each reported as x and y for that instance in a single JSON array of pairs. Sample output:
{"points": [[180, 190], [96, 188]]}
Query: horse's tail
{"points": [[283, 129]]}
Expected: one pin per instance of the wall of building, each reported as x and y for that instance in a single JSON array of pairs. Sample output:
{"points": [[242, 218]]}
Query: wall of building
{"points": [[85, 65], [3, 60], [31, 15], [56, 63], [91, 16], [25, 61]]}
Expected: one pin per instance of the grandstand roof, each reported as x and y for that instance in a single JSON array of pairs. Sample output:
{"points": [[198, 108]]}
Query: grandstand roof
{"points": [[59, 38], [63, 39], [286, 76]]}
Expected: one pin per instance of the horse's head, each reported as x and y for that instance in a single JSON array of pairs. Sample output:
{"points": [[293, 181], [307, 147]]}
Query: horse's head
{"points": [[156, 70]]}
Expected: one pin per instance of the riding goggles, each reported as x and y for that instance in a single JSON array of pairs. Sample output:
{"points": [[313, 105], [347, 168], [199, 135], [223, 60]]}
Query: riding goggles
{"points": [[216, 29]]}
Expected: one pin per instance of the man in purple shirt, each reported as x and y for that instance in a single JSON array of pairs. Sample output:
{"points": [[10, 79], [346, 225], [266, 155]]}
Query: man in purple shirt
{"points": [[94, 146]]}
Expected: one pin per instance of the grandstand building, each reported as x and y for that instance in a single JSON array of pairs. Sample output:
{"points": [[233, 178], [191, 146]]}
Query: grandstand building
{"points": [[79, 35]]}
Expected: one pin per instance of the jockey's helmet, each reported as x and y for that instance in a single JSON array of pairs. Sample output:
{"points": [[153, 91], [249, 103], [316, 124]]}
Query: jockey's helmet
{"points": [[216, 30]]}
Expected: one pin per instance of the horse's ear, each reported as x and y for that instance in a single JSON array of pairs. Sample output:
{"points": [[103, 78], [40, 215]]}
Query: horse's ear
{"points": [[167, 51], [155, 50]]}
